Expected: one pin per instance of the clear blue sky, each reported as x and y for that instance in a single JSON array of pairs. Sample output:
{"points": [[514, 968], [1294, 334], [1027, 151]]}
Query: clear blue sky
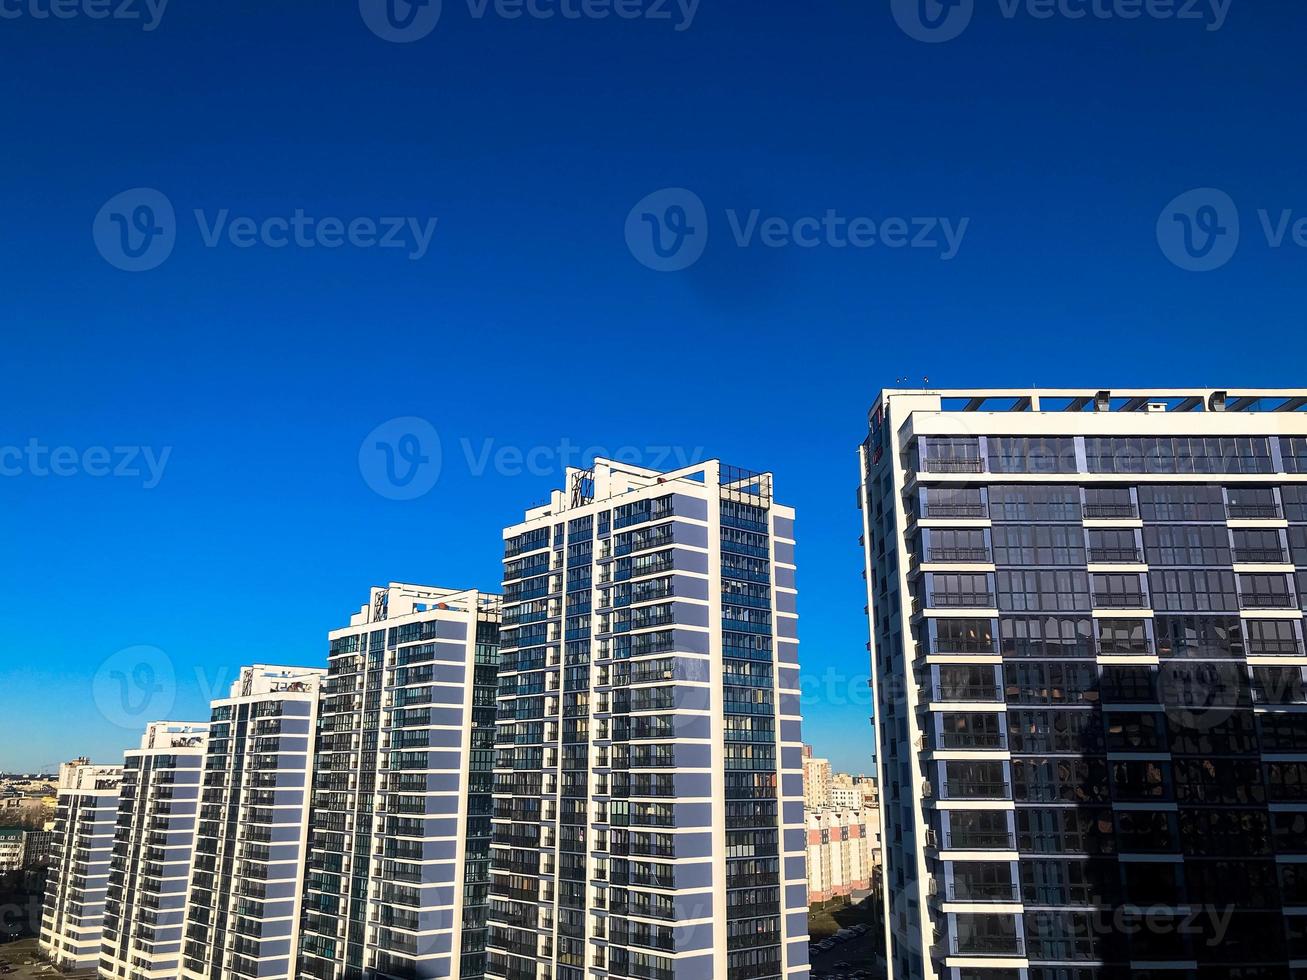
{"points": [[529, 320]]}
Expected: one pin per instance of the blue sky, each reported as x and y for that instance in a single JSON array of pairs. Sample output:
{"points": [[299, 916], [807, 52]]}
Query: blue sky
{"points": [[527, 315]]}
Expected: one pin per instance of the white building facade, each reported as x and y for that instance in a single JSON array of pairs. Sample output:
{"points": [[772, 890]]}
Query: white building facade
{"points": [[1090, 681], [400, 828], [243, 910], [73, 913], [648, 773], [153, 844]]}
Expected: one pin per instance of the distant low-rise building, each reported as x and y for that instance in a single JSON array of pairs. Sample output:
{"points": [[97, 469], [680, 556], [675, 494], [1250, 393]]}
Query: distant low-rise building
{"points": [[11, 848], [36, 848]]}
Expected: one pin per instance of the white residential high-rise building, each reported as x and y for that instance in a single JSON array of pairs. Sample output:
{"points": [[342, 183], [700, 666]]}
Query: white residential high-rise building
{"points": [[79, 864], [648, 775], [153, 843], [400, 828], [1086, 617], [251, 843]]}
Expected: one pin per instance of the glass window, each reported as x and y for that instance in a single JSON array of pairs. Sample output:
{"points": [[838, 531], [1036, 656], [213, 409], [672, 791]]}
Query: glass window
{"points": [[1182, 503], [956, 544], [953, 502], [1293, 450], [1199, 636], [1113, 545], [1063, 590], [1266, 591], [1038, 544], [1109, 502], [1196, 590], [1273, 637], [1031, 454], [962, 635], [1135, 731], [1119, 590], [1179, 454], [1252, 502], [1046, 636], [1050, 682], [1294, 499], [1258, 545], [950, 454], [1186, 544], [1124, 637], [1035, 503], [1036, 730]]}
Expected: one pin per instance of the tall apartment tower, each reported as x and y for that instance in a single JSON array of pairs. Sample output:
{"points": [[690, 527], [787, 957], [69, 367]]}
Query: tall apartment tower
{"points": [[398, 869], [1090, 681], [648, 780], [73, 913], [153, 844], [251, 842]]}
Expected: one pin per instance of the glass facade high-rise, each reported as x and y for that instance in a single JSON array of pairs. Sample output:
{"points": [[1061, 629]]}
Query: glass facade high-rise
{"points": [[1086, 613], [648, 778], [397, 876]]}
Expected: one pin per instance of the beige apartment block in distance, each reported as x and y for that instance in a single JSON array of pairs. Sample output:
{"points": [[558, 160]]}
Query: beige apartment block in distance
{"points": [[816, 780], [843, 849]]}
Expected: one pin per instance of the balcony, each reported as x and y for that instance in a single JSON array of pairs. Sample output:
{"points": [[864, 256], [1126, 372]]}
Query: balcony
{"points": [[958, 464], [962, 600], [1100, 512], [1259, 600], [976, 791], [1115, 556], [982, 891], [942, 510], [972, 740], [1259, 556], [959, 555], [1243, 512], [978, 840], [987, 945], [961, 693], [1120, 600]]}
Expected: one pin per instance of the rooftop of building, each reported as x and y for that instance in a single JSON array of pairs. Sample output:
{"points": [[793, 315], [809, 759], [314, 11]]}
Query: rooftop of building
{"points": [[608, 479], [1157, 399], [400, 599]]}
